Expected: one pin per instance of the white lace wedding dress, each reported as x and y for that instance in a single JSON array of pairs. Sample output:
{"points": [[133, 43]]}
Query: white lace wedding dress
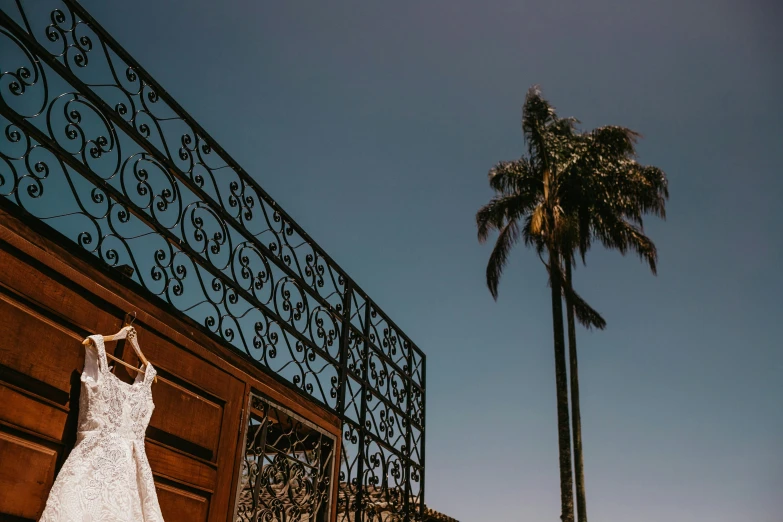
{"points": [[107, 477]]}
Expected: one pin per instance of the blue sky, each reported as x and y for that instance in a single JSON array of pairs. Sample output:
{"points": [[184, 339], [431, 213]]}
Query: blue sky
{"points": [[374, 125]]}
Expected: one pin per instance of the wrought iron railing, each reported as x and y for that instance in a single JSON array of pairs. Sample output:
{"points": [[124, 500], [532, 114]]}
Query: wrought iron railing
{"points": [[286, 467], [96, 149]]}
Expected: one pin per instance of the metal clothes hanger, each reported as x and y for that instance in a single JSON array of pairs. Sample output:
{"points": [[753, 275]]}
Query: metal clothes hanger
{"points": [[126, 332]]}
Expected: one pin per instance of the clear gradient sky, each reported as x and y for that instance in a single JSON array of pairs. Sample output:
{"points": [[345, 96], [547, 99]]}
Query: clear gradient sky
{"points": [[374, 125]]}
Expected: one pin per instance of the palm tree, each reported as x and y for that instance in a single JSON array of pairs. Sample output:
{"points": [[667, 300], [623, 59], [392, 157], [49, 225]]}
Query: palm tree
{"points": [[571, 189], [529, 206], [612, 193]]}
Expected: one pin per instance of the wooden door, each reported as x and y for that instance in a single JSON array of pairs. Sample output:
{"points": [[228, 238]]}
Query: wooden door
{"points": [[46, 308]]}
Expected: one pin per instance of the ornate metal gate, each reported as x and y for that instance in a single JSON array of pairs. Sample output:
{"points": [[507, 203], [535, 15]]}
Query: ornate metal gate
{"points": [[97, 150], [286, 469]]}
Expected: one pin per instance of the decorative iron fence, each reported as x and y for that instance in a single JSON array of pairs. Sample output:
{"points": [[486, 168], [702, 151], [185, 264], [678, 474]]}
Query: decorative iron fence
{"points": [[286, 469], [96, 149]]}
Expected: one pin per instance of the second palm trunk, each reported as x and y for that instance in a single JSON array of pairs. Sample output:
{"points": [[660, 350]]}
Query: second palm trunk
{"points": [[561, 381], [576, 418]]}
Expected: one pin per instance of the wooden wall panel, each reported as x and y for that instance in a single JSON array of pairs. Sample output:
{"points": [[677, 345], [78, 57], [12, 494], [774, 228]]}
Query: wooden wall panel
{"points": [[178, 505], [188, 416], [26, 474], [175, 466], [15, 408], [34, 347], [51, 297]]}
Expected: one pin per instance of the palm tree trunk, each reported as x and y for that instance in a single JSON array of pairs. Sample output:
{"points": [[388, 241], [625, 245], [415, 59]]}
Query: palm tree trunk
{"points": [[576, 419], [561, 381]]}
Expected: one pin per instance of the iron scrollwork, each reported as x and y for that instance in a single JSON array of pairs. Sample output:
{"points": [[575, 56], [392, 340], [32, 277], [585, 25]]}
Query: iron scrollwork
{"points": [[287, 468], [95, 148]]}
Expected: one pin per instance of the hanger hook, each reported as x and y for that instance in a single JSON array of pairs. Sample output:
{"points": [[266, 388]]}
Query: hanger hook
{"points": [[128, 319]]}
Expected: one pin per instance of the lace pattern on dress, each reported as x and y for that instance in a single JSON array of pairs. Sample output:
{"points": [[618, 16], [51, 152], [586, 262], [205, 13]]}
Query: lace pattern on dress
{"points": [[107, 477]]}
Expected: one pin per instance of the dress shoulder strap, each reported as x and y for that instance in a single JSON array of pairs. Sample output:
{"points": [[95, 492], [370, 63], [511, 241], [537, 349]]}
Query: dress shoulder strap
{"points": [[149, 373], [95, 362]]}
